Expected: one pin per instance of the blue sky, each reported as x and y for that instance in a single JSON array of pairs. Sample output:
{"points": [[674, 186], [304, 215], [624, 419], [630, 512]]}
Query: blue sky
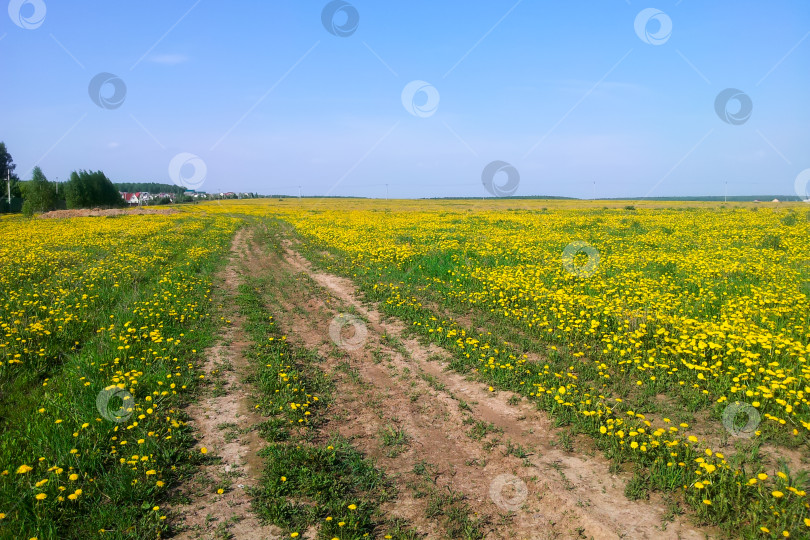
{"points": [[268, 99]]}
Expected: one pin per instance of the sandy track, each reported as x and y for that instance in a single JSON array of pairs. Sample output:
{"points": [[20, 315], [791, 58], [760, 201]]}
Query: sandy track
{"points": [[568, 495], [224, 421], [396, 381]]}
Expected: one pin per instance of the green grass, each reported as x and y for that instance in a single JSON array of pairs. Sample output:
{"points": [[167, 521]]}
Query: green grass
{"points": [[308, 481], [422, 292], [446, 505], [394, 438], [145, 334], [480, 428]]}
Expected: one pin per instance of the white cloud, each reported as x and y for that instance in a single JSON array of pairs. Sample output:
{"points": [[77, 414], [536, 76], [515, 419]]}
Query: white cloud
{"points": [[581, 87], [169, 59]]}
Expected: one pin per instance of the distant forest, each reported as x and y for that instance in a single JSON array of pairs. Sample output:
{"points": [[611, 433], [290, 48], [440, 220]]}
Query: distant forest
{"points": [[151, 187], [714, 198]]}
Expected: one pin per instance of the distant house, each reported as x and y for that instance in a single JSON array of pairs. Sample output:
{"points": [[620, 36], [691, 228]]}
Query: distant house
{"points": [[775, 200], [130, 198]]}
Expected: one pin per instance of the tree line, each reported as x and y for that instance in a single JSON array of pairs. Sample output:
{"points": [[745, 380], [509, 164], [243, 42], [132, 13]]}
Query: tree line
{"points": [[84, 189], [150, 187]]}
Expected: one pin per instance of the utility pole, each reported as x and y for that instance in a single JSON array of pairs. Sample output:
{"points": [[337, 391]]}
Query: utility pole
{"points": [[386, 192], [594, 190], [8, 187], [299, 192], [725, 197]]}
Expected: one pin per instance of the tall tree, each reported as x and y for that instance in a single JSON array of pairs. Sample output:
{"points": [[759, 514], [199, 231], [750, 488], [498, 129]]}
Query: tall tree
{"points": [[40, 195], [87, 189], [151, 187], [7, 167]]}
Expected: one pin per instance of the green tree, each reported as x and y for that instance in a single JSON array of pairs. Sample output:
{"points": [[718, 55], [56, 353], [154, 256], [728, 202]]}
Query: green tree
{"points": [[7, 167], [40, 195], [88, 189], [151, 187]]}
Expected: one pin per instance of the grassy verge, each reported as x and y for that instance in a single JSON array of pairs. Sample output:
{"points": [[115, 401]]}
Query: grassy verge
{"points": [[93, 440]]}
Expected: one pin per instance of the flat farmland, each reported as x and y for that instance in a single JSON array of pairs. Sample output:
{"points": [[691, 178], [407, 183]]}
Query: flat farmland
{"points": [[347, 368]]}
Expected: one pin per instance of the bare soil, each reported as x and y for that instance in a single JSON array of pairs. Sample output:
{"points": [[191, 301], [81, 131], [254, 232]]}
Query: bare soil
{"points": [[393, 380], [225, 422], [98, 212], [516, 477]]}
